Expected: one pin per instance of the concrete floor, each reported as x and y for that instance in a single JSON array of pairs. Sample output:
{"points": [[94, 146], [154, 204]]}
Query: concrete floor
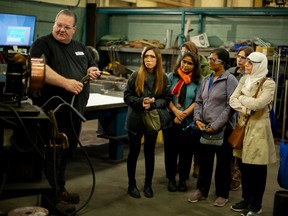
{"points": [[110, 196]]}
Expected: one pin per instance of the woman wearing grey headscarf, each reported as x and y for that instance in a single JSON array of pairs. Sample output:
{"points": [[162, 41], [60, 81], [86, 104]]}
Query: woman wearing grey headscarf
{"points": [[258, 145]]}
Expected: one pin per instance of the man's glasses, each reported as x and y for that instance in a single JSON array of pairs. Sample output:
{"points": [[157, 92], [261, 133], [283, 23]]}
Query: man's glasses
{"points": [[211, 59], [65, 27], [242, 58]]}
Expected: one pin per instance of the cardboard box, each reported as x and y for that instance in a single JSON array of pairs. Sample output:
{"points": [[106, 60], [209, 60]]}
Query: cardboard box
{"points": [[246, 3], [268, 51]]}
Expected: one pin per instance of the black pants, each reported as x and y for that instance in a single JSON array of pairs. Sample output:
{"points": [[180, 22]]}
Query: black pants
{"points": [[56, 158], [253, 183], [178, 146], [149, 154], [223, 168]]}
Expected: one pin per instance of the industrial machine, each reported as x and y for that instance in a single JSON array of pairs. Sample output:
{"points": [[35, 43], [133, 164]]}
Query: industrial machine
{"points": [[27, 133], [19, 74]]}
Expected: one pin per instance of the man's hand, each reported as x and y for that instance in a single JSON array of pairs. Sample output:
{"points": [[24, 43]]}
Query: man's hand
{"points": [[73, 86], [93, 73]]}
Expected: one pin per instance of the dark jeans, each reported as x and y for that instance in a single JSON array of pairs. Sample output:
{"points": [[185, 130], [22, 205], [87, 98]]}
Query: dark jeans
{"points": [[223, 168], [178, 146], [253, 183], [149, 154]]}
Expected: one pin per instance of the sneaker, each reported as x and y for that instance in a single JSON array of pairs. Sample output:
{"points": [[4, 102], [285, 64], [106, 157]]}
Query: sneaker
{"points": [[220, 201], [238, 207], [196, 196], [251, 211], [72, 198], [235, 185]]}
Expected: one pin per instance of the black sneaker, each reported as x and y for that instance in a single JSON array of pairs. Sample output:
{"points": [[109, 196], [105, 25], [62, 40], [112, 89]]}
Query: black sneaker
{"points": [[238, 207], [72, 198], [251, 211], [133, 191], [148, 192]]}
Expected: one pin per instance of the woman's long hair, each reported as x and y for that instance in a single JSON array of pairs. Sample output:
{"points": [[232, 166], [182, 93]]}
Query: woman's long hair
{"points": [[196, 71], [158, 71]]}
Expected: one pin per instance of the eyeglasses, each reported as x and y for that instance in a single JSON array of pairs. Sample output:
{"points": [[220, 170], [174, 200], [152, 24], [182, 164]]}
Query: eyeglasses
{"points": [[252, 62], [187, 62], [150, 56], [211, 59], [242, 58], [66, 28]]}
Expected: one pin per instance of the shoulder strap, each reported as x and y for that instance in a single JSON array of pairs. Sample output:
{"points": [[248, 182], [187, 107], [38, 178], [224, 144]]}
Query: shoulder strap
{"points": [[255, 96], [260, 85]]}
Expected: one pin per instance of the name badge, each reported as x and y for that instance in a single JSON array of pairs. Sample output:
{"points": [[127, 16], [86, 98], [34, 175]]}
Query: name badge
{"points": [[79, 53]]}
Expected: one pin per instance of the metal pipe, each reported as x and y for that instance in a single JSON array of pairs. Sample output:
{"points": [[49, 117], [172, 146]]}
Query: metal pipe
{"points": [[277, 78]]}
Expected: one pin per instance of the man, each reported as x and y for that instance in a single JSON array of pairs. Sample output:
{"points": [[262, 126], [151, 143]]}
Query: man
{"points": [[67, 62]]}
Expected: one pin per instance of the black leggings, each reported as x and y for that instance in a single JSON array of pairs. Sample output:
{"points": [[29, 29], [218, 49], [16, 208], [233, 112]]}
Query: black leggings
{"points": [[149, 154]]}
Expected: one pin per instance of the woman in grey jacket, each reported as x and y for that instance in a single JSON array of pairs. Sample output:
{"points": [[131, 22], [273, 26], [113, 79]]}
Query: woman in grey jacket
{"points": [[258, 145], [146, 89], [212, 114]]}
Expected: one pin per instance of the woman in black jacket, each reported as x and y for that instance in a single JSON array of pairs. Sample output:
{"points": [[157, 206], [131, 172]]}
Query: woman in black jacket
{"points": [[146, 90]]}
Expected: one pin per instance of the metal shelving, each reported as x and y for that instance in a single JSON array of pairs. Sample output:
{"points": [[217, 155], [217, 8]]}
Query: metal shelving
{"points": [[201, 12], [196, 11]]}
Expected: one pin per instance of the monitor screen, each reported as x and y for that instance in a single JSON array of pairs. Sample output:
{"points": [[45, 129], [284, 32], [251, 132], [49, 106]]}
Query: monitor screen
{"points": [[17, 29]]}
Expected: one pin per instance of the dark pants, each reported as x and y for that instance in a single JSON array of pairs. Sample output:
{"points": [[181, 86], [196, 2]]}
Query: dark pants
{"points": [[223, 168], [253, 183], [149, 154], [178, 146], [56, 158]]}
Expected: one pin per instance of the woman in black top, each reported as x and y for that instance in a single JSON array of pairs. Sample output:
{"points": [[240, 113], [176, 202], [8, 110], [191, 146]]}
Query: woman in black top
{"points": [[146, 89]]}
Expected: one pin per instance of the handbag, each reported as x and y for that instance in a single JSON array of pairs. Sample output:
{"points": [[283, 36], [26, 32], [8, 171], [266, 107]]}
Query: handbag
{"points": [[166, 117], [212, 138], [151, 120], [236, 138]]}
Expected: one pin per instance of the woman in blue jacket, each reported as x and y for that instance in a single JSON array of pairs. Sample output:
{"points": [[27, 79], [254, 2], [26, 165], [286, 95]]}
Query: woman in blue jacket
{"points": [[213, 114]]}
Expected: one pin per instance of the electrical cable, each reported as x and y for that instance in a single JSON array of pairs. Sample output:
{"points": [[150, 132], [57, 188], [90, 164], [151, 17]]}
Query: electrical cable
{"points": [[83, 80], [90, 165], [23, 127]]}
